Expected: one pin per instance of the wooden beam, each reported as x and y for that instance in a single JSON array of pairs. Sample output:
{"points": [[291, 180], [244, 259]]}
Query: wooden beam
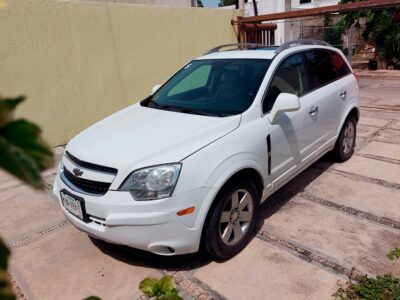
{"points": [[259, 27], [339, 8]]}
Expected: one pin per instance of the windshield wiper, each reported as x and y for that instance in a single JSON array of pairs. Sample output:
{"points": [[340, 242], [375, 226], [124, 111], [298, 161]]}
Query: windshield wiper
{"points": [[180, 109], [196, 111], [187, 110]]}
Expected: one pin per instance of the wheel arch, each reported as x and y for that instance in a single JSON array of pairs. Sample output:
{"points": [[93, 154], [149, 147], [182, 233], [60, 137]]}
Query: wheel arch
{"points": [[352, 110], [246, 172]]}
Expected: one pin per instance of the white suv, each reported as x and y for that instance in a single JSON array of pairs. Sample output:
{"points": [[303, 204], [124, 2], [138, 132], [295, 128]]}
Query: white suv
{"points": [[188, 166]]}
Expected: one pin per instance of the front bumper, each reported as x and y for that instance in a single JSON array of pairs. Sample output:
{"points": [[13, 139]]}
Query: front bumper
{"points": [[147, 225]]}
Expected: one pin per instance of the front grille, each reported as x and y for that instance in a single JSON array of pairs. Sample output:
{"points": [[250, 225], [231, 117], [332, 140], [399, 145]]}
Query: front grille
{"points": [[89, 165], [88, 186]]}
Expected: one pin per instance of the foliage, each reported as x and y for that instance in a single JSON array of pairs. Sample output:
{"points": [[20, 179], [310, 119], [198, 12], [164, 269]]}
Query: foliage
{"points": [[23, 152], [6, 292], [160, 289], [92, 298], [385, 287], [382, 26], [200, 3], [333, 32], [393, 254], [226, 2]]}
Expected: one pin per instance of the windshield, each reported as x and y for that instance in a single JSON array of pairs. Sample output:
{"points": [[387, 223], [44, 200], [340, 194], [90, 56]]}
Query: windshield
{"points": [[215, 87]]}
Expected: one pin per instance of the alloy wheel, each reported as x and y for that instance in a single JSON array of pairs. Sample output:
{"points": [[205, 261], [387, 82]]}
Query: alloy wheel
{"points": [[348, 137], [236, 217]]}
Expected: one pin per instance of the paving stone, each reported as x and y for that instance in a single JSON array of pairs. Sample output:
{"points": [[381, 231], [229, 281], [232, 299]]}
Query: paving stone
{"points": [[372, 121], [386, 150], [67, 265], [345, 239], [380, 114], [389, 136], [372, 198], [26, 211], [365, 130], [371, 168], [8, 181], [359, 143], [395, 125], [263, 271]]}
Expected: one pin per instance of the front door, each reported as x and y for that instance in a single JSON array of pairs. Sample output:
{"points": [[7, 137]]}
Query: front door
{"points": [[296, 135]]}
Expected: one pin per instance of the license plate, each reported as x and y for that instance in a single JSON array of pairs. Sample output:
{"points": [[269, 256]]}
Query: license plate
{"points": [[73, 204]]}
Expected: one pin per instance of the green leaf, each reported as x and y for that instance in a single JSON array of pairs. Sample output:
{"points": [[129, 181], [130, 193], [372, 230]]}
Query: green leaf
{"points": [[17, 162], [393, 254], [26, 136], [4, 255], [92, 298], [149, 286], [6, 291], [7, 107], [167, 284], [170, 297]]}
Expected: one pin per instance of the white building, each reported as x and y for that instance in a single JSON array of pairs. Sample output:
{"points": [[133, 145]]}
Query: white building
{"points": [[287, 30]]}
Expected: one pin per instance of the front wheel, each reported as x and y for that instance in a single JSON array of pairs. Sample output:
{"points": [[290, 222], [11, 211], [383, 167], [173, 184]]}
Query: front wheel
{"points": [[344, 147], [232, 220]]}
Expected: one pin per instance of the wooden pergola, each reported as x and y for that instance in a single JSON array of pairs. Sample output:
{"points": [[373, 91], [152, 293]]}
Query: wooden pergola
{"points": [[252, 30]]}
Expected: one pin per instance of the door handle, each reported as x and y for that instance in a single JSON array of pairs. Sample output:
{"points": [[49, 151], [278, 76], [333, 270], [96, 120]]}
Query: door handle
{"points": [[313, 111], [343, 94]]}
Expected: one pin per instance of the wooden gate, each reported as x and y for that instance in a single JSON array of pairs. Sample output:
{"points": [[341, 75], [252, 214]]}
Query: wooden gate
{"points": [[260, 33]]}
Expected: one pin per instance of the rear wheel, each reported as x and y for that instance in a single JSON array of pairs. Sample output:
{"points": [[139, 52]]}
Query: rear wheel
{"points": [[346, 142], [232, 220]]}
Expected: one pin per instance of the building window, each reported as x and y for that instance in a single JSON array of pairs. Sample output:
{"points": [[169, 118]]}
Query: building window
{"points": [[305, 1]]}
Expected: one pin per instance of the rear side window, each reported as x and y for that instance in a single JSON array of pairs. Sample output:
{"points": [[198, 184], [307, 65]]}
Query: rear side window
{"points": [[325, 66], [290, 77]]}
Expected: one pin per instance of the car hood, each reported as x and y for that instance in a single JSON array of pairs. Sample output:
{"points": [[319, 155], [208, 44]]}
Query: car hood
{"points": [[138, 136]]}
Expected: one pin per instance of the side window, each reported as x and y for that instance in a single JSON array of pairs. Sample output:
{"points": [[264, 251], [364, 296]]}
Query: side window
{"points": [[339, 65], [197, 79], [290, 77], [325, 66]]}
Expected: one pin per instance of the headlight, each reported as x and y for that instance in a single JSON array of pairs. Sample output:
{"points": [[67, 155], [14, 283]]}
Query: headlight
{"points": [[152, 183]]}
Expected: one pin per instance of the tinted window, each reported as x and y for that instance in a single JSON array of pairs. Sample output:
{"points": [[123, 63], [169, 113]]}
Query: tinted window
{"points": [[197, 79], [325, 67], [220, 87], [290, 77]]}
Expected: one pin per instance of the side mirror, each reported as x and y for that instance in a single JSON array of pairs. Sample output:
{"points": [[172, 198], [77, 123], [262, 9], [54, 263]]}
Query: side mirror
{"points": [[284, 103], [155, 89]]}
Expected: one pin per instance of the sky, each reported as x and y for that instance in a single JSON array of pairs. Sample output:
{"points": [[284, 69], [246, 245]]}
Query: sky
{"points": [[210, 3]]}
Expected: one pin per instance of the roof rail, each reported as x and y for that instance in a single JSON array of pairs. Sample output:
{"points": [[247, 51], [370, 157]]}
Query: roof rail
{"points": [[288, 45], [241, 46]]}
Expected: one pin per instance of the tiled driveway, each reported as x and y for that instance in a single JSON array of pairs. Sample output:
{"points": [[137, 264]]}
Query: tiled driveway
{"points": [[331, 218]]}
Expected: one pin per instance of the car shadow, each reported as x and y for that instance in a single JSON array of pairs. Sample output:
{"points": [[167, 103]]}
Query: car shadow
{"points": [[137, 257], [293, 188], [190, 262]]}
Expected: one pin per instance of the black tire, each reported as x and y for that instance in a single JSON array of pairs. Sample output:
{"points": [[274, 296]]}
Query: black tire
{"points": [[343, 151], [212, 237]]}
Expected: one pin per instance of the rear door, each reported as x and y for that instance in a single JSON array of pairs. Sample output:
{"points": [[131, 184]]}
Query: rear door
{"points": [[330, 82]]}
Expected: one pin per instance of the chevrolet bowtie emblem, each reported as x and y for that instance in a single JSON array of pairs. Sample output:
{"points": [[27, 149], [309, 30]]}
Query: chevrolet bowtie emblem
{"points": [[77, 172]]}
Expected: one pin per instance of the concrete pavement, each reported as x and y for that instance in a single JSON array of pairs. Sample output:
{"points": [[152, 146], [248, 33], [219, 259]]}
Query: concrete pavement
{"points": [[312, 233]]}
